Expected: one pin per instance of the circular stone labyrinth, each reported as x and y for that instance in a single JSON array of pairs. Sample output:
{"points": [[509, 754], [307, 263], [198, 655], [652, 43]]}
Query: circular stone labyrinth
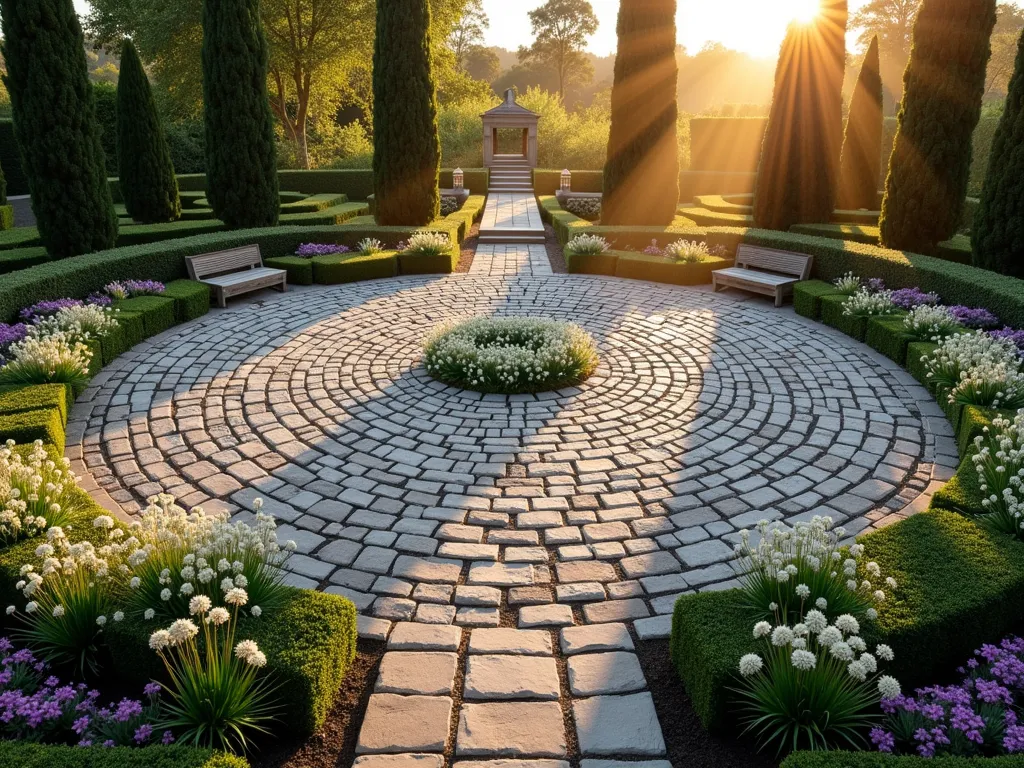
{"points": [[592, 504]]}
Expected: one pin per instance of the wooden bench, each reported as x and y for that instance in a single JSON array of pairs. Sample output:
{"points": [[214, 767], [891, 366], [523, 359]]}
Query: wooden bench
{"points": [[765, 271], [234, 272]]}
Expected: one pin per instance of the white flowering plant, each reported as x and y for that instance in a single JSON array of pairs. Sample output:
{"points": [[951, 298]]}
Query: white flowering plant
{"points": [[814, 685], [72, 592], [36, 491], [977, 369], [176, 555], [999, 462], [848, 283], [929, 322], [369, 246], [53, 359], [510, 355], [687, 251], [429, 244], [788, 568], [217, 696], [586, 245], [79, 322], [867, 302]]}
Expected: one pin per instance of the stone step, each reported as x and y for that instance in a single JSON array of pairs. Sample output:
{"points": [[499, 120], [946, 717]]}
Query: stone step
{"points": [[511, 239]]}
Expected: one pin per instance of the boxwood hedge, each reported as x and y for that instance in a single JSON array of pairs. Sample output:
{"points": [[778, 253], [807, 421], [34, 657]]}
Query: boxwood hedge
{"points": [[23, 754]]}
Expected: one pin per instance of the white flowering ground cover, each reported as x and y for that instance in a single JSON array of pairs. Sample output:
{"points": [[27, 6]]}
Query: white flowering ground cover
{"points": [[510, 355]]}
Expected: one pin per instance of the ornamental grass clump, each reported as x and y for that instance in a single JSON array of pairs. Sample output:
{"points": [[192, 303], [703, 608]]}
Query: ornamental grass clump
{"points": [[510, 355], [428, 244], [368, 246], [868, 302], [217, 697], [999, 462], [848, 283], [814, 685], [36, 492], [807, 564], [586, 245], [978, 717], [53, 359], [977, 369], [687, 251], [929, 323], [72, 592], [176, 555]]}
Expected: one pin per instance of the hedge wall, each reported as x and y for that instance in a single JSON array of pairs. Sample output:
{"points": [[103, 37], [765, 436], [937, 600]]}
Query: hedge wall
{"points": [[726, 143], [23, 754]]}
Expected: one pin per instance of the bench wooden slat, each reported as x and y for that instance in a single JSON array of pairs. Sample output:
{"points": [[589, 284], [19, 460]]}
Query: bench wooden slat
{"points": [[235, 271], [764, 270]]}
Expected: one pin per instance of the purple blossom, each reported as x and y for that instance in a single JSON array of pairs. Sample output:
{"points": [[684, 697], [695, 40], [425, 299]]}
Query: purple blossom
{"points": [[127, 709], [99, 299], [152, 689], [908, 298], [653, 249], [46, 308], [143, 287], [143, 732], [1016, 336], [875, 284], [973, 317], [168, 738], [9, 334], [320, 249], [884, 740]]}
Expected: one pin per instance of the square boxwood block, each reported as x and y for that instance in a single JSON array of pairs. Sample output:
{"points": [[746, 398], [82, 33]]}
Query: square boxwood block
{"points": [[23, 754], [879, 760], [44, 424], [6, 217], [962, 493], [888, 334], [916, 350], [604, 264], [96, 361], [299, 268], [113, 343], [191, 299], [352, 267], [134, 328], [642, 266], [18, 399], [418, 264], [959, 586], [807, 297], [158, 313], [832, 315]]}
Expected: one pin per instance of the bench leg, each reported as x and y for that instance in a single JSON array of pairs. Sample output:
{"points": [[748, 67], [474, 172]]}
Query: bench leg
{"points": [[283, 287], [221, 299], [778, 297]]}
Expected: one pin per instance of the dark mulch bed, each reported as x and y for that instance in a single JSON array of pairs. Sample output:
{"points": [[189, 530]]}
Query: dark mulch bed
{"points": [[468, 250], [335, 745], [555, 255], [687, 742]]}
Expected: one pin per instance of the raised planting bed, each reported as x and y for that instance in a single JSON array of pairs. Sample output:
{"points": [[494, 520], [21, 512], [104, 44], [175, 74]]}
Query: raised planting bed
{"points": [[352, 267], [660, 269]]}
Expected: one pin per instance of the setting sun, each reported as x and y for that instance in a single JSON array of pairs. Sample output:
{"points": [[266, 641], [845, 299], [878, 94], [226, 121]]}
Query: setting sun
{"points": [[803, 11]]}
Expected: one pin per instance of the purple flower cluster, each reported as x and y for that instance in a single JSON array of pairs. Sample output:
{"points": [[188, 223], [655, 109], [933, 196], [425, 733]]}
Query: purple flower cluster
{"points": [[1013, 334], [126, 289], [10, 334], [976, 717], [875, 284], [36, 707], [320, 249], [653, 249], [47, 308], [973, 317], [908, 298]]}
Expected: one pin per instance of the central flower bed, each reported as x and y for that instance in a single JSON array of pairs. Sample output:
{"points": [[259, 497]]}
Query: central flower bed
{"points": [[510, 355]]}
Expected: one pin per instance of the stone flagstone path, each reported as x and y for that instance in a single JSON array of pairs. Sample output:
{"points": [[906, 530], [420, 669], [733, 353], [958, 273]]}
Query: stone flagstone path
{"points": [[509, 549]]}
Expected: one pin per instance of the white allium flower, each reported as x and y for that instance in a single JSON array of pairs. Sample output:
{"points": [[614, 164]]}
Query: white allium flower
{"points": [[103, 521], [241, 581], [58, 611], [186, 589], [31, 606], [800, 630], [888, 687], [256, 611], [218, 616], [821, 603], [773, 607], [803, 591], [829, 636], [134, 582], [159, 640], [848, 624], [857, 671], [869, 662], [762, 629], [101, 620], [816, 621], [842, 651], [236, 596], [182, 630], [884, 652], [890, 582], [199, 604], [245, 649], [118, 615], [782, 636], [857, 643], [871, 614], [149, 614], [227, 584], [750, 664], [803, 660], [879, 596], [165, 594], [799, 642], [11, 609]]}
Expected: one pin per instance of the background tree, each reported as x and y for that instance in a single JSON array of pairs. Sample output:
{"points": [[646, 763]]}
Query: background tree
{"points": [[241, 159], [148, 185], [641, 175], [942, 92], [55, 126], [892, 22], [406, 147], [561, 29], [468, 32], [998, 232], [482, 64], [861, 167], [1009, 25], [797, 177]]}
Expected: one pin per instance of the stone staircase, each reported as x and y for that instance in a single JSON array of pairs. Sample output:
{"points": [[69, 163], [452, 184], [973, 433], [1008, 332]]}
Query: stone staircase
{"points": [[510, 173]]}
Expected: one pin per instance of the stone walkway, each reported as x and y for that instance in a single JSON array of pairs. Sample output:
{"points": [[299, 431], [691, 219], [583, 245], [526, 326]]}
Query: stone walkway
{"points": [[509, 548], [511, 217]]}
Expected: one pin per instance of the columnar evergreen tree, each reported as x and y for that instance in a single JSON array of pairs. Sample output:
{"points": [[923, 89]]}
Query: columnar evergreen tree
{"points": [[241, 159], [55, 125], [862, 150], [998, 231], [942, 92], [641, 174], [148, 186], [796, 180], [406, 147], [3, 187]]}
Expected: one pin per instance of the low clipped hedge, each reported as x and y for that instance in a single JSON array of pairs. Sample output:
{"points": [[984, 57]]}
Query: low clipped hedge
{"points": [[888, 334], [18, 399], [960, 586], [693, 183], [21, 258], [832, 315], [707, 218], [420, 264], [547, 181], [807, 296], [353, 267], [916, 352], [158, 312], [658, 269], [29, 426], [586, 264], [191, 299], [957, 249], [310, 642], [24, 754], [299, 268], [6, 217], [879, 760]]}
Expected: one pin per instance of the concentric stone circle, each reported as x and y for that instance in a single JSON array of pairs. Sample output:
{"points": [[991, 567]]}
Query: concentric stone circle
{"points": [[596, 503]]}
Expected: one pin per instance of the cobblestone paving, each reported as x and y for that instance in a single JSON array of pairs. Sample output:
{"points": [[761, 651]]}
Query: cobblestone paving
{"points": [[509, 549]]}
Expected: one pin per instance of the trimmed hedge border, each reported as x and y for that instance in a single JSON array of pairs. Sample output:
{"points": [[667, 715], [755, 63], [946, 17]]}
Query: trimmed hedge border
{"points": [[25, 754], [658, 269]]}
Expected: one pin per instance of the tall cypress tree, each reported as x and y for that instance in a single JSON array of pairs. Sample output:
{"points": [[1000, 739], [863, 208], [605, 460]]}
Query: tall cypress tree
{"points": [[797, 177], [406, 147], [862, 149], [641, 174], [55, 125], [148, 186], [998, 234], [3, 187], [241, 158], [942, 92]]}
